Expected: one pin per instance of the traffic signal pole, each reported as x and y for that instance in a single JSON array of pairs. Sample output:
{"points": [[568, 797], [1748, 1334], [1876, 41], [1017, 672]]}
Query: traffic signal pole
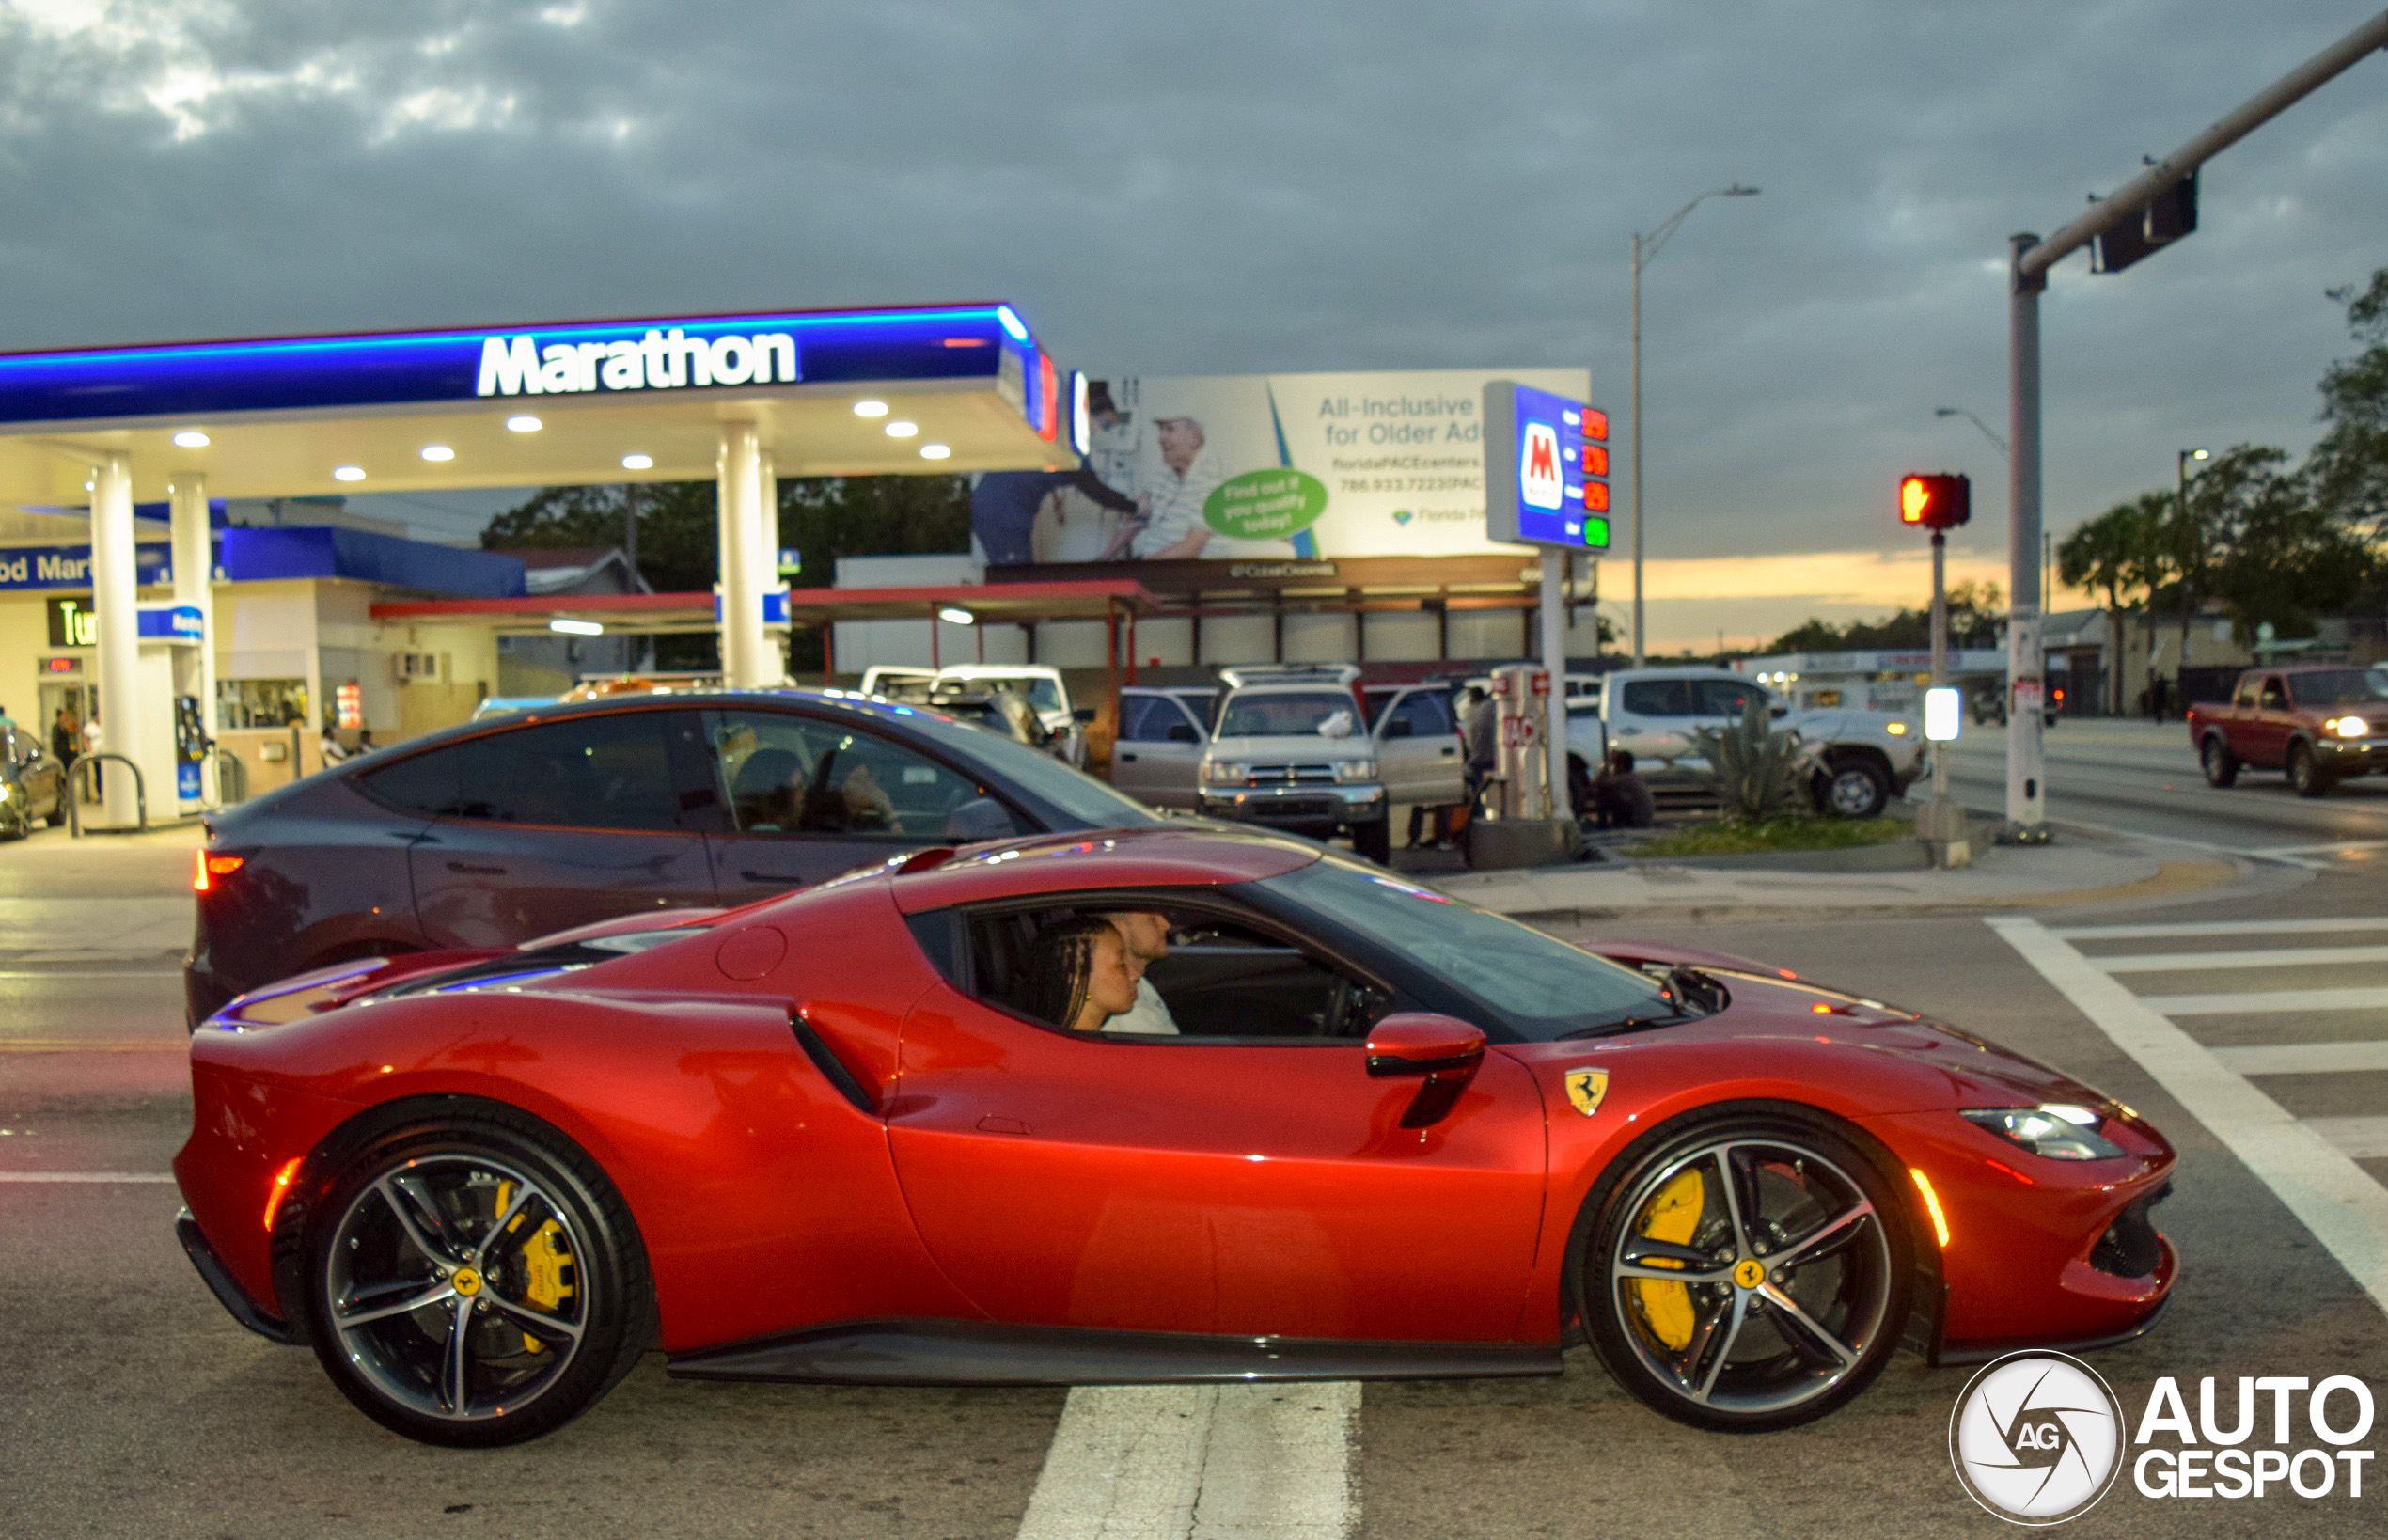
{"points": [[2030, 258]]}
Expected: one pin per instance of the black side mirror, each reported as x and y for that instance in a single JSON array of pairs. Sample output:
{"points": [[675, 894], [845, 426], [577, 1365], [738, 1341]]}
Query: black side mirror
{"points": [[1182, 733], [1780, 711], [1084, 713]]}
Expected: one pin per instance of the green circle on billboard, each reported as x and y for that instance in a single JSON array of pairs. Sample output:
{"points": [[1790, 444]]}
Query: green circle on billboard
{"points": [[1265, 504]]}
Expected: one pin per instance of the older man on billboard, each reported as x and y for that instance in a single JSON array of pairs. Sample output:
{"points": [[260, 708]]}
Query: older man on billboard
{"points": [[1173, 529]]}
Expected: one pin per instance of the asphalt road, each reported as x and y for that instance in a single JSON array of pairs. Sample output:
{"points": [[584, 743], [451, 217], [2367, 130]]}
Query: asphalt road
{"points": [[2140, 778], [130, 1403]]}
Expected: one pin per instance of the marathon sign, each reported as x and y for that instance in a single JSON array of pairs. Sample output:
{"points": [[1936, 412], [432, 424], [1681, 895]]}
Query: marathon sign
{"points": [[660, 360]]}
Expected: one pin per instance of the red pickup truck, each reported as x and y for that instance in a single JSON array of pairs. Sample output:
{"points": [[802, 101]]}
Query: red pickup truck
{"points": [[2321, 723]]}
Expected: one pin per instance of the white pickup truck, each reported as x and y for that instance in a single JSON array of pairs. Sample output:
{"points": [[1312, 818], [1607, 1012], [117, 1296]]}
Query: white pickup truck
{"points": [[1046, 694], [1868, 757]]}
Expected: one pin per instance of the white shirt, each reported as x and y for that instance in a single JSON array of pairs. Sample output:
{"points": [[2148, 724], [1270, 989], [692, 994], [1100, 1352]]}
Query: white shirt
{"points": [[1176, 509], [1151, 1015]]}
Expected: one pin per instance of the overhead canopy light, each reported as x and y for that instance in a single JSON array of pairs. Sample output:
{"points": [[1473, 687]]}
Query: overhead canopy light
{"points": [[576, 628], [438, 452], [870, 409], [348, 473], [191, 438], [638, 462], [934, 452], [525, 423], [901, 428], [956, 615]]}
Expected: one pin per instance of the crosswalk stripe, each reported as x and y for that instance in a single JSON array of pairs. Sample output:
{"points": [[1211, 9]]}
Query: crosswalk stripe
{"points": [[1201, 1462], [2360, 1139], [2318, 1182], [142, 1177], [2306, 1058], [2259, 1001], [2189, 962], [2219, 927]]}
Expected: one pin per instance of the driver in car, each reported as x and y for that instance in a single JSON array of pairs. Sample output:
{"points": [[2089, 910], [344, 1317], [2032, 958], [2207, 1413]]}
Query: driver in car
{"points": [[1146, 934]]}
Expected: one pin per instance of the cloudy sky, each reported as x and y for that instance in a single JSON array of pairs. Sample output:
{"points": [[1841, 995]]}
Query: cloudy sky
{"points": [[1238, 186]]}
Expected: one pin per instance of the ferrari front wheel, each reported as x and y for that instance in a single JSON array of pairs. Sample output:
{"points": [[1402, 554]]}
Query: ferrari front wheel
{"points": [[1745, 1271], [473, 1280]]}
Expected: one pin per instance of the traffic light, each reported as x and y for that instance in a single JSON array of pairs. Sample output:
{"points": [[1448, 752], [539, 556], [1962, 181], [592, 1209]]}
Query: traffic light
{"points": [[2171, 215], [1940, 501]]}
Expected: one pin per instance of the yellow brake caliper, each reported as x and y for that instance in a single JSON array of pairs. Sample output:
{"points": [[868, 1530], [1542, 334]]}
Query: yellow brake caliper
{"points": [[1672, 1217], [547, 1266]]}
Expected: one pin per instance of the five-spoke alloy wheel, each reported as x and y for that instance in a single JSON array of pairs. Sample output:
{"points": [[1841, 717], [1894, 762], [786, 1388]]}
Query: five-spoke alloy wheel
{"points": [[1745, 1271], [473, 1280]]}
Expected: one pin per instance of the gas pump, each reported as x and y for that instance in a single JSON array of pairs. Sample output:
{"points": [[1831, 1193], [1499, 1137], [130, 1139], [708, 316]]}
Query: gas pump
{"points": [[1521, 703], [191, 745], [169, 743]]}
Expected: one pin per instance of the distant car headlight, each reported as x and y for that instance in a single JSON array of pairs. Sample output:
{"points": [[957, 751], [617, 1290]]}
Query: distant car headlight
{"points": [[2347, 726], [1896, 730], [1226, 772], [1355, 769], [2060, 1131]]}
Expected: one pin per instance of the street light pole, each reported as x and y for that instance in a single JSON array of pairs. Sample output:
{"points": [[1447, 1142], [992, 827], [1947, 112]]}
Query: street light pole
{"points": [[1646, 248]]}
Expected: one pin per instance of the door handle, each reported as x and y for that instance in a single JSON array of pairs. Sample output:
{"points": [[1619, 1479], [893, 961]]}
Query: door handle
{"points": [[1451, 753], [991, 1124], [470, 870], [780, 878], [1129, 757]]}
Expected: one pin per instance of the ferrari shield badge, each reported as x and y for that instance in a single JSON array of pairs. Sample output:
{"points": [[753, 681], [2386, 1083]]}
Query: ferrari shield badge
{"points": [[1585, 1087]]}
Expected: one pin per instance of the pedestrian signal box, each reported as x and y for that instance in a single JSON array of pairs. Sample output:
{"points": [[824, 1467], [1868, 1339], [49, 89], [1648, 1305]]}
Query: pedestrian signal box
{"points": [[1939, 501]]}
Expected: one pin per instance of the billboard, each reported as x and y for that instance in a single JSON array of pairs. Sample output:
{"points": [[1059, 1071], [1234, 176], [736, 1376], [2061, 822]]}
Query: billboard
{"points": [[1246, 466]]}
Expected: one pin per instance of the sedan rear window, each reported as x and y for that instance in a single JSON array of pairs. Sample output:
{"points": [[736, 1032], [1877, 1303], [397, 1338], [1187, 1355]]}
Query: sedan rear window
{"points": [[609, 771]]}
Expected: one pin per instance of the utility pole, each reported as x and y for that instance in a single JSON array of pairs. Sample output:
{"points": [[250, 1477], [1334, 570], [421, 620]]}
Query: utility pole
{"points": [[2029, 257]]}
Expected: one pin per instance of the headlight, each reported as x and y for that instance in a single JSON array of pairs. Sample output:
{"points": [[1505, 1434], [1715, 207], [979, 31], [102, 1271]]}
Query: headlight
{"points": [[1896, 730], [1355, 769], [7, 789], [1226, 772], [2347, 726], [2060, 1131]]}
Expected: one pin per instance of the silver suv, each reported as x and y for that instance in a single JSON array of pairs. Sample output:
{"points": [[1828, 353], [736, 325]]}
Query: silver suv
{"points": [[1290, 747]]}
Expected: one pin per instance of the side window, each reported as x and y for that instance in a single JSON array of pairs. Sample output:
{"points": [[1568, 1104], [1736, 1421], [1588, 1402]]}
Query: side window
{"points": [[1219, 979], [786, 773], [1377, 700], [425, 783], [607, 772], [1428, 713], [2247, 692], [1658, 697], [1147, 718], [1722, 698], [2274, 698]]}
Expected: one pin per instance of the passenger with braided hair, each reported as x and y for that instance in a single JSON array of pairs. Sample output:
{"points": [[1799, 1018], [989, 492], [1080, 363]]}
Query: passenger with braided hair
{"points": [[1079, 974]]}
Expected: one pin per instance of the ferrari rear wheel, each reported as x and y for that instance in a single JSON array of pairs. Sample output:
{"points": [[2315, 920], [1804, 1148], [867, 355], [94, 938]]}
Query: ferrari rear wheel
{"points": [[1745, 1271], [474, 1281]]}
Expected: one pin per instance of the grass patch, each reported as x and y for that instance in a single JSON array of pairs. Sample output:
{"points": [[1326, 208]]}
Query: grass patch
{"points": [[1777, 834]]}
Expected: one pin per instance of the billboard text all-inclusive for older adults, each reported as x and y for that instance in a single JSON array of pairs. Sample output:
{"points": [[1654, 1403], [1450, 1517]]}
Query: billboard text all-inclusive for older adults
{"points": [[1230, 467]]}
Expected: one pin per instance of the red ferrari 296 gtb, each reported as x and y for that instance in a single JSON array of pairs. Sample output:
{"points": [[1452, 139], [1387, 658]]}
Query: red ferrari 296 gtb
{"points": [[1157, 1105]]}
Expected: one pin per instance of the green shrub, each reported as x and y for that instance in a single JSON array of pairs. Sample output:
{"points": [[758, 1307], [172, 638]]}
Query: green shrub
{"points": [[1761, 772]]}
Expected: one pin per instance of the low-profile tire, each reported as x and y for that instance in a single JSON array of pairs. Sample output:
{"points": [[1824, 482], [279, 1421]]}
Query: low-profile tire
{"points": [[1852, 786], [1374, 839], [2305, 774], [470, 1278], [1746, 1310], [2220, 765]]}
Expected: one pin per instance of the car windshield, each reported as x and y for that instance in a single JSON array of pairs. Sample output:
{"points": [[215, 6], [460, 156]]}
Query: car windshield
{"points": [[1080, 797], [1329, 713], [1544, 987], [2340, 688]]}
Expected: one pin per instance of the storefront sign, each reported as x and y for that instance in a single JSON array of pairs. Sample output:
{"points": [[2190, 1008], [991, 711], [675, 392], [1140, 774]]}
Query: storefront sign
{"points": [[1255, 468], [673, 360], [72, 623], [26, 567]]}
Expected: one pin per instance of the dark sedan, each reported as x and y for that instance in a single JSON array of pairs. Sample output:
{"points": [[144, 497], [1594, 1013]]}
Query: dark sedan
{"points": [[33, 785], [519, 826]]}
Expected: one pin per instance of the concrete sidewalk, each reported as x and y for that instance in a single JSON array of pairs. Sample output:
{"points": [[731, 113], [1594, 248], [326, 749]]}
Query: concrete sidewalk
{"points": [[2002, 878]]}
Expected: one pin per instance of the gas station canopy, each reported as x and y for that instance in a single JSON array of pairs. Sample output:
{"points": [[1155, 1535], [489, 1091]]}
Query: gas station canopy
{"points": [[533, 405]]}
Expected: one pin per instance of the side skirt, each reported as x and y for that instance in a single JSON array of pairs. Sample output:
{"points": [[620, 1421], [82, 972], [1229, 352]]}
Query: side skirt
{"points": [[970, 1353]]}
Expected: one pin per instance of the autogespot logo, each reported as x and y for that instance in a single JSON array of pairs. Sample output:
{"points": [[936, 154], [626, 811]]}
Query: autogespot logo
{"points": [[2037, 1438]]}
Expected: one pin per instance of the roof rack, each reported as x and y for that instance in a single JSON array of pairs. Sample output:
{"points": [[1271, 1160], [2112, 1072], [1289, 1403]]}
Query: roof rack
{"points": [[1243, 674]]}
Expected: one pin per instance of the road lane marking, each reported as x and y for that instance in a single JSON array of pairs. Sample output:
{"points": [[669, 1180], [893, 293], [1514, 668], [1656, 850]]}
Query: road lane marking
{"points": [[2306, 1058], [2218, 927], [2358, 1138], [143, 1177], [2334, 847], [91, 973], [94, 1045], [2264, 1000], [1201, 1462], [2319, 1183], [2197, 962]]}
